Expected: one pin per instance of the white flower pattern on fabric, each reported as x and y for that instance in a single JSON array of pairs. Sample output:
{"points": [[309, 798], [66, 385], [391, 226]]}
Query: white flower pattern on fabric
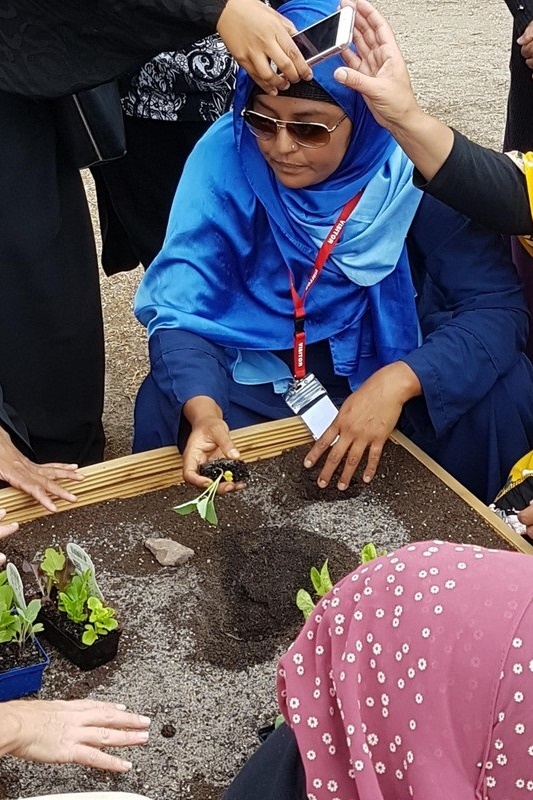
{"points": [[396, 635]]}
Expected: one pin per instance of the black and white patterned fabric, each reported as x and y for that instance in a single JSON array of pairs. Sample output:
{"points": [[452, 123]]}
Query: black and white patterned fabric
{"points": [[196, 83]]}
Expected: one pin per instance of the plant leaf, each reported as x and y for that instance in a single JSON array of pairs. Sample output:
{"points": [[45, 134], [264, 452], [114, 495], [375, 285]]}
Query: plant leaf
{"points": [[304, 602], [211, 514], [15, 581], [202, 506], [315, 579], [325, 581], [368, 553], [185, 508], [53, 561]]}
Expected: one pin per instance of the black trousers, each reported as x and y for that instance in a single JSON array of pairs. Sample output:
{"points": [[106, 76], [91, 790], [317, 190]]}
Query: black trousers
{"points": [[135, 192], [274, 772]]}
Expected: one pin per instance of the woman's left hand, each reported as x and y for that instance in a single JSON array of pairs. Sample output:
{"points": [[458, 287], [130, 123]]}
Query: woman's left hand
{"points": [[365, 421]]}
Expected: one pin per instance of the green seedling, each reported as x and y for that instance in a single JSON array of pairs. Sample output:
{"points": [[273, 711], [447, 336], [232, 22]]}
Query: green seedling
{"points": [[17, 618], [369, 553], [204, 504], [52, 572], [101, 621], [321, 583], [73, 600]]}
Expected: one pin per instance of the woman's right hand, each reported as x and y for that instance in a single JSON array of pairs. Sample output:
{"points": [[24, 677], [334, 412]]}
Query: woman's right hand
{"points": [[257, 36], [70, 732], [209, 439]]}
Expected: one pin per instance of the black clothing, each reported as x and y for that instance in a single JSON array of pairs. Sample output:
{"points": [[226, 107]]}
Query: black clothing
{"points": [[492, 189], [519, 124], [51, 336], [274, 772], [59, 46], [142, 186]]}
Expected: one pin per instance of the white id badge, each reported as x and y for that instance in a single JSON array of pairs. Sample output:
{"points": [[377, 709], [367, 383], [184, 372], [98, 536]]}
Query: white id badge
{"points": [[308, 398]]}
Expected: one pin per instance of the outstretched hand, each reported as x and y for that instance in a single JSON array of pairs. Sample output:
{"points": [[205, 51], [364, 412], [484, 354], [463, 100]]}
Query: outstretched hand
{"points": [[364, 423], [378, 70], [70, 732], [37, 480], [258, 37]]}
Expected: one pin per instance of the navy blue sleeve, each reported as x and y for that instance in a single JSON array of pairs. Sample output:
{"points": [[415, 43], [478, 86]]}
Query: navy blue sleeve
{"points": [[471, 307], [184, 365]]}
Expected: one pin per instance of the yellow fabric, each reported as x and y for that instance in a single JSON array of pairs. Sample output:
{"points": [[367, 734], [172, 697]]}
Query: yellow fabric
{"points": [[522, 470], [524, 161]]}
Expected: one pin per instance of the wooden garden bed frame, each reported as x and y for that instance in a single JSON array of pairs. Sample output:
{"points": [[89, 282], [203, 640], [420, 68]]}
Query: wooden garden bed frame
{"points": [[157, 469]]}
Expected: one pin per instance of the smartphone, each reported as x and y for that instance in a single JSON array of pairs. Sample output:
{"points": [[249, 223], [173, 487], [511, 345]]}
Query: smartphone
{"points": [[327, 37]]}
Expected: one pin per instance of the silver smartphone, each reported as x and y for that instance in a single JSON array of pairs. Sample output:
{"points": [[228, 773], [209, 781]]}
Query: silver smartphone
{"points": [[327, 37]]}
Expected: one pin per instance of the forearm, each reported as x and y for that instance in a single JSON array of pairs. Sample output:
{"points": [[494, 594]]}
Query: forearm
{"points": [[492, 189], [426, 140], [200, 408]]}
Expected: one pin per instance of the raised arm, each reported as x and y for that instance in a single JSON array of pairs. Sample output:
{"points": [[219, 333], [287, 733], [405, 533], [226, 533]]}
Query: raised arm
{"points": [[492, 190]]}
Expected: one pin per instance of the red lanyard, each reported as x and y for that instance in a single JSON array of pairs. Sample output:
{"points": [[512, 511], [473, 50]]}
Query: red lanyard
{"points": [[299, 300]]}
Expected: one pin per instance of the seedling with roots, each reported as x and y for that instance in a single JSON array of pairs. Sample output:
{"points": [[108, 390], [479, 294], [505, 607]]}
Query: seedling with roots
{"points": [[204, 504]]}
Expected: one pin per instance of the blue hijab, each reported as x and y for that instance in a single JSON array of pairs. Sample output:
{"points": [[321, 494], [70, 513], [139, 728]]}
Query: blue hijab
{"points": [[235, 231]]}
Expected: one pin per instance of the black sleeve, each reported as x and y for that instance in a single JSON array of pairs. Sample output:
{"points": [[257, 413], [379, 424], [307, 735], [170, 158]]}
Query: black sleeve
{"points": [[54, 47], [483, 185], [522, 11]]}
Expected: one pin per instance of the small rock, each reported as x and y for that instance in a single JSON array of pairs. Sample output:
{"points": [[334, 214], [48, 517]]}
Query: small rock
{"points": [[168, 552], [168, 730]]}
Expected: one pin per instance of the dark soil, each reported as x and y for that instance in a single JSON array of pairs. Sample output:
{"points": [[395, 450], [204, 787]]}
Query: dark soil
{"points": [[239, 470], [12, 657], [218, 623]]}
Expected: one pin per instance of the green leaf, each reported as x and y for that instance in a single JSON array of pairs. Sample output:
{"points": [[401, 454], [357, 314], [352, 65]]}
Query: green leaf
{"points": [[185, 508], [315, 579], [53, 561], [89, 637], [202, 506], [325, 581], [280, 719], [304, 602], [211, 514], [368, 553], [15, 581]]}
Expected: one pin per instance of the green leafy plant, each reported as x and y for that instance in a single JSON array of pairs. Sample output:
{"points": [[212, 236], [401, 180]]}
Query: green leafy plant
{"points": [[369, 553], [17, 618], [101, 621], [73, 601], [322, 584], [70, 582], [53, 571], [204, 504]]}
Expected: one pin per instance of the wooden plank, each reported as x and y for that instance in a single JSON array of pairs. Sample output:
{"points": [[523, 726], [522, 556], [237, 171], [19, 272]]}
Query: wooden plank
{"points": [[157, 469]]}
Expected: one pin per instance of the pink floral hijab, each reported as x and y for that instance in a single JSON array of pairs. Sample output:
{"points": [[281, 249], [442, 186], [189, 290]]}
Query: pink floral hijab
{"points": [[413, 678]]}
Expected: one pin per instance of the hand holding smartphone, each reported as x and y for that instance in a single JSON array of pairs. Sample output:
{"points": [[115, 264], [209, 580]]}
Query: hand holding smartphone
{"points": [[327, 37]]}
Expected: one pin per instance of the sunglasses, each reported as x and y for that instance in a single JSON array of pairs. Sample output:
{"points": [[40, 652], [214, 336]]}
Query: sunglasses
{"points": [[307, 134]]}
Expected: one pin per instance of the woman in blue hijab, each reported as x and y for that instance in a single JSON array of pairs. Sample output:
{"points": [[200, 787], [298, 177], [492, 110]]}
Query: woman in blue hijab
{"points": [[297, 246]]}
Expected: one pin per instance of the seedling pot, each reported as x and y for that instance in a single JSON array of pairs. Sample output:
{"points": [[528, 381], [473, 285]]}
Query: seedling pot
{"points": [[20, 681], [85, 657]]}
